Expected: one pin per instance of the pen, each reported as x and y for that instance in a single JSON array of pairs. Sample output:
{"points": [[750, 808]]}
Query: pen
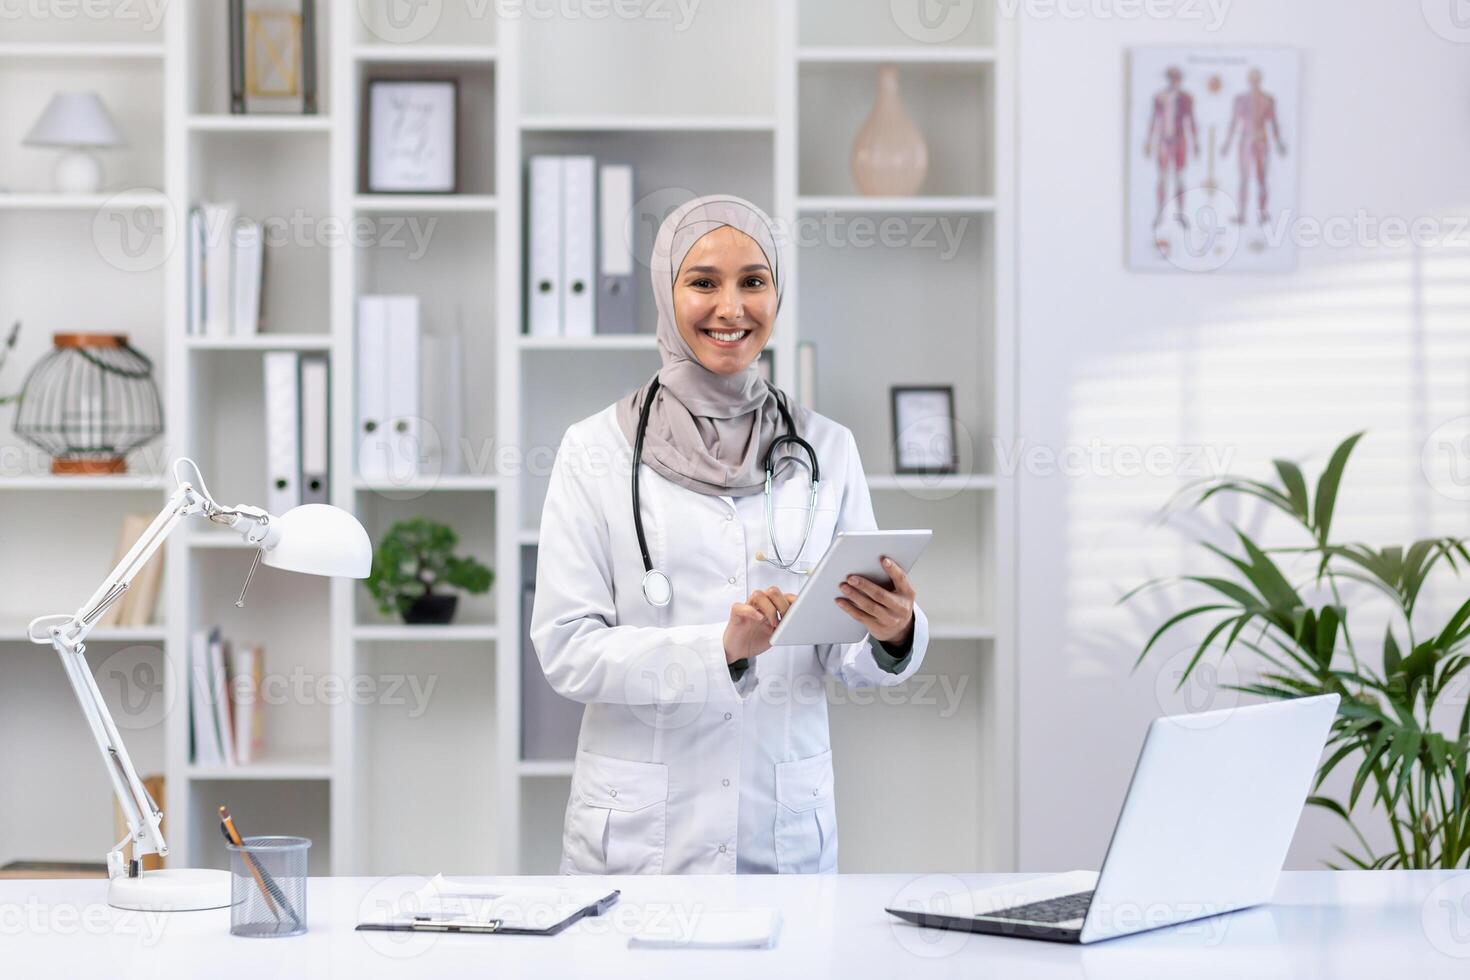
{"points": [[268, 887]]}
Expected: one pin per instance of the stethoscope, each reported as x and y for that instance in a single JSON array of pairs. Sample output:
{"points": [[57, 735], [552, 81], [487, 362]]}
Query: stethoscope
{"points": [[657, 588]]}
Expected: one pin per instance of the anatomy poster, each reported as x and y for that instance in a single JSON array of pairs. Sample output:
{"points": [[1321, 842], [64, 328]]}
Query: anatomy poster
{"points": [[1212, 175]]}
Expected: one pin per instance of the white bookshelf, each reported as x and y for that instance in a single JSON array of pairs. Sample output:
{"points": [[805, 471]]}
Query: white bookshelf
{"points": [[353, 775]]}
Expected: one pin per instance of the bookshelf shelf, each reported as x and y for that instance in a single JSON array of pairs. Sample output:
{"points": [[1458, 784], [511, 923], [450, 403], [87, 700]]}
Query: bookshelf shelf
{"points": [[313, 763], [424, 203], [451, 633], [119, 201], [425, 54], [126, 482], [914, 55], [80, 51], [632, 341], [262, 342], [221, 123], [937, 204]]}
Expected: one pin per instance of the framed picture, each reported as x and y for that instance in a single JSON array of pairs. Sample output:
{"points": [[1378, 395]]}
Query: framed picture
{"points": [[273, 56], [412, 136], [924, 429]]}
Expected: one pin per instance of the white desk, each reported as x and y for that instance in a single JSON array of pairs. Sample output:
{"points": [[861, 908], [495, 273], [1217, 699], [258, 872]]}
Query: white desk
{"points": [[1335, 925]]}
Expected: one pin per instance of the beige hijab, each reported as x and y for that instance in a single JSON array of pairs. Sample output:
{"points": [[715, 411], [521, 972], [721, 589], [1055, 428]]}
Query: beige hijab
{"points": [[706, 431]]}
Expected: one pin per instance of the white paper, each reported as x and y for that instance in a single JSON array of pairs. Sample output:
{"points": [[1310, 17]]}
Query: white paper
{"points": [[752, 928]]}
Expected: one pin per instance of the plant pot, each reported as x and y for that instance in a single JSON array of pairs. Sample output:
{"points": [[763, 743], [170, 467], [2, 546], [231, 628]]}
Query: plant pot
{"points": [[431, 609]]}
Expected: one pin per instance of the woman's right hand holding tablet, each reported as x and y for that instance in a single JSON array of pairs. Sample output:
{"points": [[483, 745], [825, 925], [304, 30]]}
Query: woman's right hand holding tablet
{"points": [[748, 633]]}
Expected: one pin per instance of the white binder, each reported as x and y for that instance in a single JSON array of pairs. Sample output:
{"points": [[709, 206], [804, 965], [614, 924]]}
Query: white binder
{"points": [[219, 223], [544, 248], [196, 272], [315, 416], [371, 438], [282, 428], [579, 246], [616, 309], [245, 283], [404, 415]]}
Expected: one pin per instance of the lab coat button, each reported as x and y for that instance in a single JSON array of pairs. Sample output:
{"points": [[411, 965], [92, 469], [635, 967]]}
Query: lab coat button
{"points": [[722, 848], [732, 580], [729, 517], [728, 716], [724, 782], [613, 792]]}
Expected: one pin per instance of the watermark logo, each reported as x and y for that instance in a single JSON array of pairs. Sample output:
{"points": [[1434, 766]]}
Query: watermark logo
{"points": [[132, 680], [1445, 917], [400, 21], [391, 898], [940, 894], [667, 686], [1450, 19], [1445, 459], [133, 230], [1207, 692], [932, 21]]}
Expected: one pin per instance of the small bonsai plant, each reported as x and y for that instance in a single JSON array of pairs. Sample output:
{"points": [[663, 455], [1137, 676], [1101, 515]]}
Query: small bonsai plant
{"points": [[416, 558]]}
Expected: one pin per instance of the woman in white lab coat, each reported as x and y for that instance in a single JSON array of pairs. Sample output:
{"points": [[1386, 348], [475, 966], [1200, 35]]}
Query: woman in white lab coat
{"points": [[703, 749]]}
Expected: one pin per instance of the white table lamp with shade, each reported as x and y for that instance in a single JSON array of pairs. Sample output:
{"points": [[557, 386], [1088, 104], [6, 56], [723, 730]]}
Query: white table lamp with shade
{"points": [[316, 539], [79, 123]]}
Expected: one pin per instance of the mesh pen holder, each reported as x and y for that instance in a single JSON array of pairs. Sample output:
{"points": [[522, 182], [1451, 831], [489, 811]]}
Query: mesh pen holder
{"points": [[268, 886]]}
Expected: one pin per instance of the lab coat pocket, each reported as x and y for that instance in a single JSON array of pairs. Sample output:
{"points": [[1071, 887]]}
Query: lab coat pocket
{"points": [[616, 816], [789, 511], [806, 816]]}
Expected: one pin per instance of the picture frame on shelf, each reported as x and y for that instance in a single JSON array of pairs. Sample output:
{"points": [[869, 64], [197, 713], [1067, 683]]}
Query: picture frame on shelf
{"points": [[272, 49], [924, 429], [411, 136]]}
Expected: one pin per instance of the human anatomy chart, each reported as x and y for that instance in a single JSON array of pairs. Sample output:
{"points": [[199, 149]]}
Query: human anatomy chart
{"points": [[1212, 175]]}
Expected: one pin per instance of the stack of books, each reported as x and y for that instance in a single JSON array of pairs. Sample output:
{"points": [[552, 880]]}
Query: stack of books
{"points": [[226, 711], [139, 605]]}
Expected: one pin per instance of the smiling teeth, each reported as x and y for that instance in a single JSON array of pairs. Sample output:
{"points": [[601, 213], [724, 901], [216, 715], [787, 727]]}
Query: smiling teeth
{"points": [[733, 335]]}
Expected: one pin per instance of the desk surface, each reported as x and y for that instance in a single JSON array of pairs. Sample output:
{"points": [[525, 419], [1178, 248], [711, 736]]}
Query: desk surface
{"points": [[1321, 924]]}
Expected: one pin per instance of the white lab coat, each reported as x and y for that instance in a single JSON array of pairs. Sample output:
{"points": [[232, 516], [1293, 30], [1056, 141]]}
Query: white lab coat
{"points": [[679, 769]]}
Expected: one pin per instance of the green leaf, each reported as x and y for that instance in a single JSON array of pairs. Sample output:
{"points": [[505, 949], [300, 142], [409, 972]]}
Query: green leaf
{"points": [[1327, 487], [1296, 487], [1391, 656], [1171, 621]]}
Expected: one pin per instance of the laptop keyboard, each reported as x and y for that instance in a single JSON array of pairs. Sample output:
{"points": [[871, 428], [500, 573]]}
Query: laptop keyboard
{"points": [[1052, 910]]}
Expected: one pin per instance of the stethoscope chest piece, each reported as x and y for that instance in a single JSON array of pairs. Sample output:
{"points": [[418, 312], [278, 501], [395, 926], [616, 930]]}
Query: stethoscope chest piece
{"points": [[657, 588]]}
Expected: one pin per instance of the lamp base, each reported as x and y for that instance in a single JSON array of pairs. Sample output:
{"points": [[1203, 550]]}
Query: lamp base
{"points": [[171, 890], [77, 171]]}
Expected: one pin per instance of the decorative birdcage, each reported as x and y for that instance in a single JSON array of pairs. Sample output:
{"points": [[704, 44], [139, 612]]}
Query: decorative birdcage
{"points": [[90, 402]]}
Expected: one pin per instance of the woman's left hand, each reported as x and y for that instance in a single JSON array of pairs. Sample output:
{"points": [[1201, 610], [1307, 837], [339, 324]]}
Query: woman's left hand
{"points": [[888, 614]]}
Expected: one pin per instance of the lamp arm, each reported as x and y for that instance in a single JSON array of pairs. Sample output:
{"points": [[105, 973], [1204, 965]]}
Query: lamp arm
{"points": [[67, 633]]}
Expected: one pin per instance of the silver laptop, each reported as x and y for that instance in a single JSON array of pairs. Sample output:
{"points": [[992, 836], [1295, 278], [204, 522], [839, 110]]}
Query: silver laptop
{"points": [[1204, 830]]}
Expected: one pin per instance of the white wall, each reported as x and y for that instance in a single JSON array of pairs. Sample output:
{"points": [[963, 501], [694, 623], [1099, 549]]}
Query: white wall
{"points": [[1249, 367]]}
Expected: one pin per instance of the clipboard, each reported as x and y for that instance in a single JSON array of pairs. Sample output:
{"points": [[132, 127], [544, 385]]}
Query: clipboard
{"points": [[480, 909]]}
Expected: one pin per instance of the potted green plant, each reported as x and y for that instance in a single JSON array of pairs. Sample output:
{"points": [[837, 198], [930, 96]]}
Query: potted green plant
{"points": [[1294, 623], [416, 558]]}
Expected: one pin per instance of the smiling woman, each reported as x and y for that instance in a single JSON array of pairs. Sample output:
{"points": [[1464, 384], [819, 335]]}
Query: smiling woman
{"points": [[680, 767]]}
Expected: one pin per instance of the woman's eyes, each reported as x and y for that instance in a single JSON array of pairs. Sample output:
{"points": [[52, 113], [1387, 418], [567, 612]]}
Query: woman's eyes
{"points": [[755, 281]]}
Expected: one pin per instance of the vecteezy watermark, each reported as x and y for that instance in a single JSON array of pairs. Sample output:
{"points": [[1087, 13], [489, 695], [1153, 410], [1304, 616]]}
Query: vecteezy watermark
{"points": [[132, 680], [1210, 14], [34, 917], [147, 13], [408, 21], [134, 231], [1102, 459], [1207, 692], [1445, 916], [1445, 458], [1450, 19]]}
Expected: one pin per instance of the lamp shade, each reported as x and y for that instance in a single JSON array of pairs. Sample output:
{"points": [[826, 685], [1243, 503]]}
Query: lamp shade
{"points": [[75, 119], [320, 539]]}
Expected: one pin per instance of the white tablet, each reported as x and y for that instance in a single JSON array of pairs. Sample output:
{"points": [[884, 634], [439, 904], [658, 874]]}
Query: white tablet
{"points": [[815, 617]]}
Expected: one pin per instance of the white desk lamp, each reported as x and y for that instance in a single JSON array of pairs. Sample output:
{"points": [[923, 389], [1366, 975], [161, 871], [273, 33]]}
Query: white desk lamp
{"points": [[78, 122], [314, 538]]}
